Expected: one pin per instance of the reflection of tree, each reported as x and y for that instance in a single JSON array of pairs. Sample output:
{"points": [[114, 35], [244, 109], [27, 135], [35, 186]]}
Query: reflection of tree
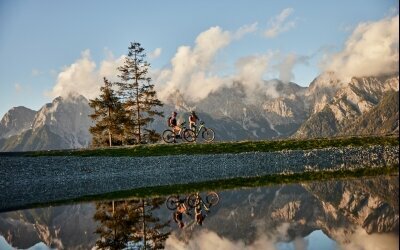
{"points": [[130, 221]]}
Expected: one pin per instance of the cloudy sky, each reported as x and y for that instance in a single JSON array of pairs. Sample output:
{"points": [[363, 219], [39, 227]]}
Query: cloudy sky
{"points": [[48, 48]]}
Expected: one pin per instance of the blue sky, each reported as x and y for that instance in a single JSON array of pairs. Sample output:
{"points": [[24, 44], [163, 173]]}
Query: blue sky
{"points": [[40, 39]]}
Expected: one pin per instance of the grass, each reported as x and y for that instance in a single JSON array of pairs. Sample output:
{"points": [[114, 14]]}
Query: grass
{"points": [[220, 147], [227, 184]]}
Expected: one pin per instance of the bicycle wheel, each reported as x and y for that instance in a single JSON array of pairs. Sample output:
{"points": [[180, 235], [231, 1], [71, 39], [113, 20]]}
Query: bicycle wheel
{"points": [[208, 135], [212, 198], [193, 200], [172, 202], [189, 135], [168, 136]]}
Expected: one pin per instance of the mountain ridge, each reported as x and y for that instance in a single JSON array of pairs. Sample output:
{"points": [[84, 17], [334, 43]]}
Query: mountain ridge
{"points": [[328, 107]]}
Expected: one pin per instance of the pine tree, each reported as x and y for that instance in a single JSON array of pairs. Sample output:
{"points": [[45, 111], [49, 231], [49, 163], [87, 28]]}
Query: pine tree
{"points": [[138, 94], [108, 115]]}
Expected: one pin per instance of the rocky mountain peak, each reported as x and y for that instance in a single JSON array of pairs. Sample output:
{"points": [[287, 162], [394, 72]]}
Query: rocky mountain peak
{"points": [[331, 115], [321, 91], [16, 121], [68, 117]]}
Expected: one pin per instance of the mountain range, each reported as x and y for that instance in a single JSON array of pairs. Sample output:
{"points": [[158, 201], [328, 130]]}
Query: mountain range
{"points": [[328, 107]]}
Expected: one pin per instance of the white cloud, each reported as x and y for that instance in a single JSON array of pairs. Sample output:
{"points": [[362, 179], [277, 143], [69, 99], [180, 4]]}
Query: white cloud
{"points": [[155, 53], [286, 66], [36, 72], [372, 49], [84, 77], [18, 88], [279, 24], [251, 69], [192, 70], [190, 67], [245, 29]]}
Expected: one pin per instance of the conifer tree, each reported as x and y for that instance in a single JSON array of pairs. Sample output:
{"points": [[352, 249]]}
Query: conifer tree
{"points": [[108, 115], [138, 94]]}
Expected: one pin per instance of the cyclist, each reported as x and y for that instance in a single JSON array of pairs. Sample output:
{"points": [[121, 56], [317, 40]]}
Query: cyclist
{"points": [[172, 122], [192, 120]]}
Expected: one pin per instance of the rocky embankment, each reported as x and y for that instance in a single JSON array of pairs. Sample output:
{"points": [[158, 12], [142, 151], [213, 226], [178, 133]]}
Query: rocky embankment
{"points": [[28, 180]]}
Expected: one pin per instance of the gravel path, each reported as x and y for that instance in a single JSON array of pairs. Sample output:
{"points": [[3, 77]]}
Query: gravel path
{"points": [[27, 180]]}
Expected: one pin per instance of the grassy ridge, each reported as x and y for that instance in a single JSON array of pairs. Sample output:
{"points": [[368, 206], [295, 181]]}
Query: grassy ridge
{"points": [[221, 147]]}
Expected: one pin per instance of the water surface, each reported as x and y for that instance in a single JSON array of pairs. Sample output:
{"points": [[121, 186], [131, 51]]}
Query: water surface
{"points": [[343, 214]]}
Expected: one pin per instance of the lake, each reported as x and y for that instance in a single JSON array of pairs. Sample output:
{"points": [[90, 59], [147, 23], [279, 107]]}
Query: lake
{"points": [[337, 214]]}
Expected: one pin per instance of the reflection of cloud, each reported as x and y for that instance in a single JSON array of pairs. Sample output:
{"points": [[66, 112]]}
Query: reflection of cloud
{"points": [[364, 241], [205, 240], [208, 240], [372, 49], [278, 24]]}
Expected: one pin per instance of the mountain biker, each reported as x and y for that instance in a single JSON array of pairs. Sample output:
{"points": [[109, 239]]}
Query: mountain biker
{"points": [[192, 120], [172, 122]]}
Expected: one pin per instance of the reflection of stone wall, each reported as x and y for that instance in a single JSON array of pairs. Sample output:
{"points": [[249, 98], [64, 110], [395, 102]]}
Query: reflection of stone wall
{"points": [[70, 177]]}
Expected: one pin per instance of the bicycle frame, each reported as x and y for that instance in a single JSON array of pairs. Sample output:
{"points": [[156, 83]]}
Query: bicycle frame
{"points": [[197, 131]]}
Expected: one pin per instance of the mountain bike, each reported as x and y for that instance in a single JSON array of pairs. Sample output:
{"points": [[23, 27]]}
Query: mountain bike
{"points": [[170, 136], [194, 200], [173, 201], [206, 133]]}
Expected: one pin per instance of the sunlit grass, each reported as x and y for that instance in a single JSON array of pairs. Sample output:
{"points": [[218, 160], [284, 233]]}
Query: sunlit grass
{"points": [[222, 147]]}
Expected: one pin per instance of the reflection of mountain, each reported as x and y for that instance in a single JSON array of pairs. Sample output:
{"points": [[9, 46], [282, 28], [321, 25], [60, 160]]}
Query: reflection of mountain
{"points": [[69, 227], [338, 208]]}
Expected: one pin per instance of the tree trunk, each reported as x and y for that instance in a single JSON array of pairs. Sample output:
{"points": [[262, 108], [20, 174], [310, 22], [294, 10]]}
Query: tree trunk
{"points": [[109, 127], [137, 102], [144, 225]]}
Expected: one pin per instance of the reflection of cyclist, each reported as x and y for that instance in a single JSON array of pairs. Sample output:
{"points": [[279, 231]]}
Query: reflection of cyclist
{"points": [[199, 216], [178, 219], [178, 214], [192, 120]]}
